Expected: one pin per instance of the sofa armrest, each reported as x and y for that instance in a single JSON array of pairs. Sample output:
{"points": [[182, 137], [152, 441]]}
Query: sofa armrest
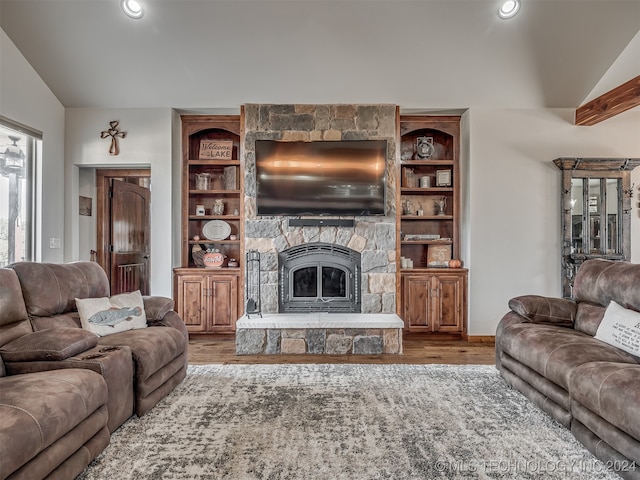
{"points": [[160, 313], [50, 344], [170, 319], [538, 309], [155, 307]]}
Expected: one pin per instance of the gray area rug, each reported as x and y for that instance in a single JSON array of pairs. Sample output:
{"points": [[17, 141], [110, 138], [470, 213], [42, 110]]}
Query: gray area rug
{"points": [[344, 422]]}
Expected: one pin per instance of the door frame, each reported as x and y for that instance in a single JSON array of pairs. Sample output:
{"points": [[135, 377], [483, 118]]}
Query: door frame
{"points": [[103, 224]]}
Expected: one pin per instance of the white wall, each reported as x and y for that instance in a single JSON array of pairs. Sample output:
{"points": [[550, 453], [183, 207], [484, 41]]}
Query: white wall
{"points": [[87, 225], [25, 99], [513, 221], [148, 144]]}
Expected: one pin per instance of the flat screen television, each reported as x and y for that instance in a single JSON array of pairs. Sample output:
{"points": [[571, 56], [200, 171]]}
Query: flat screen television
{"points": [[345, 177]]}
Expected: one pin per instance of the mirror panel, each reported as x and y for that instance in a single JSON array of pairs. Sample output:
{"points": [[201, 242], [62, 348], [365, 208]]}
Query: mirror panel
{"points": [[613, 214], [595, 204], [577, 214]]}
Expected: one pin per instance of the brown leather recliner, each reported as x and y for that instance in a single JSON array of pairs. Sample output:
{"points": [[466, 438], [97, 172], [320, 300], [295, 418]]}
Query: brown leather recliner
{"points": [[42, 343], [51, 423], [546, 348], [159, 351]]}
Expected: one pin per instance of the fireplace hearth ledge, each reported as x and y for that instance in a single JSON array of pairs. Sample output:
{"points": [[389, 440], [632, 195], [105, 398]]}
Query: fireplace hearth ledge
{"points": [[321, 320], [319, 333]]}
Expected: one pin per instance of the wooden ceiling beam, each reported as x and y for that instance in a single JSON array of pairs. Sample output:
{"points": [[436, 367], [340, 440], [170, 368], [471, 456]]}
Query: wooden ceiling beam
{"points": [[609, 104]]}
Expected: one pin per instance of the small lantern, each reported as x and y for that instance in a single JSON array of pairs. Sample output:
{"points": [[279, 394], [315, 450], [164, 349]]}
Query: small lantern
{"points": [[13, 159]]}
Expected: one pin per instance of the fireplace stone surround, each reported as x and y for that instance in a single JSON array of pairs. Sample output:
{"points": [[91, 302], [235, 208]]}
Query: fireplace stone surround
{"points": [[373, 238]]}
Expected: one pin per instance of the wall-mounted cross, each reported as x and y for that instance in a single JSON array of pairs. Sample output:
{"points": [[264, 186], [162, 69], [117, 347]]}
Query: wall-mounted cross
{"points": [[114, 133]]}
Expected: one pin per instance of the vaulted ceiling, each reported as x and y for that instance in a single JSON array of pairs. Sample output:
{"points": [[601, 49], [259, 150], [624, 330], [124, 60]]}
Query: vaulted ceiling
{"points": [[420, 54]]}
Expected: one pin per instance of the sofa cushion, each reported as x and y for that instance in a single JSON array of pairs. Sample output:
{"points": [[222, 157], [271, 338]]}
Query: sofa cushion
{"points": [[152, 348], [539, 309], [52, 344], [555, 352], [12, 306], [588, 317], [610, 390], [600, 281], [10, 332], [39, 408], [106, 316], [50, 288], [67, 319], [620, 327], [14, 321]]}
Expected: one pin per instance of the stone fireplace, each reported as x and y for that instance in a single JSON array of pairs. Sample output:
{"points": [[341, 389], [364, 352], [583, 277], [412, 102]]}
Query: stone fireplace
{"points": [[373, 238], [326, 286]]}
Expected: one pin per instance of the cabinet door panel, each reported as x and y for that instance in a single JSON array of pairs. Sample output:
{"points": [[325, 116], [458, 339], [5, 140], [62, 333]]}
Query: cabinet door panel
{"points": [[224, 301], [192, 294], [449, 303], [416, 305]]}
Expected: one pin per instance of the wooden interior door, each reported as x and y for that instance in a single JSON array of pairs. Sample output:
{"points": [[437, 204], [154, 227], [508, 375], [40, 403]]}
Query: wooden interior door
{"points": [[130, 231], [104, 241]]}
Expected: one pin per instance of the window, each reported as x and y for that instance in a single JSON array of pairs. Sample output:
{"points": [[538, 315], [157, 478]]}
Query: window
{"points": [[18, 150]]}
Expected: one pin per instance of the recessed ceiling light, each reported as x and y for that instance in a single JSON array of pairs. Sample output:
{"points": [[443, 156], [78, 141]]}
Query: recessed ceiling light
{"points": [[132, 8], [509, 9]]}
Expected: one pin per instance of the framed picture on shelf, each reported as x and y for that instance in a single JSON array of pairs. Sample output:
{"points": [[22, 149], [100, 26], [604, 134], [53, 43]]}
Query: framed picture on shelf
{"points": [[438, 255], [443, 178]]}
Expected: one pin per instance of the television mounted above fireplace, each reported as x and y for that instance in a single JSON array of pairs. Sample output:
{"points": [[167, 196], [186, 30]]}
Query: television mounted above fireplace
{"points": [[345, 177]]}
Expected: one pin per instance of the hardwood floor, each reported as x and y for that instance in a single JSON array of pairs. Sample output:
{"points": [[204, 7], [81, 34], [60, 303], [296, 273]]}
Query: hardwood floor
{"points": [[418, 349]]}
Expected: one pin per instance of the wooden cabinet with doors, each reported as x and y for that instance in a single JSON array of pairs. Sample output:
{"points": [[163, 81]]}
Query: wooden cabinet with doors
{"points": [[209, 297], [208, 301], [432, 295], [435, 302]]}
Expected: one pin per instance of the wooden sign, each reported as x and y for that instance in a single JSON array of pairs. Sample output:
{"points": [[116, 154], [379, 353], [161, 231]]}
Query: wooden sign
{"points": [[216, 150]]}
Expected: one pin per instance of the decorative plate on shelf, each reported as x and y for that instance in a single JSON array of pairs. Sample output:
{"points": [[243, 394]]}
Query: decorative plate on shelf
{"points": [[216, 230]]}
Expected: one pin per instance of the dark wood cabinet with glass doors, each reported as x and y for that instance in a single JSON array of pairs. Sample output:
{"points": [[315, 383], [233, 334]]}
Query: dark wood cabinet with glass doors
{"points": [[596, 212]]}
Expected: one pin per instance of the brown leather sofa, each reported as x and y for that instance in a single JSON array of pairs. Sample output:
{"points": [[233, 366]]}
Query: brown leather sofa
{"points": [[52, 424], [41, 337], [546, 350]]}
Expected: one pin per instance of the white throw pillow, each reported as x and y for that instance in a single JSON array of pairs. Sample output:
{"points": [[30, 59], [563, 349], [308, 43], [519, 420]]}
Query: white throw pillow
{"points": [[105, 316], [620, 327]]}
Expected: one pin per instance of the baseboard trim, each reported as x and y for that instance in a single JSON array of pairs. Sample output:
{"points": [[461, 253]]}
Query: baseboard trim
{"points": [[481, 339]]}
